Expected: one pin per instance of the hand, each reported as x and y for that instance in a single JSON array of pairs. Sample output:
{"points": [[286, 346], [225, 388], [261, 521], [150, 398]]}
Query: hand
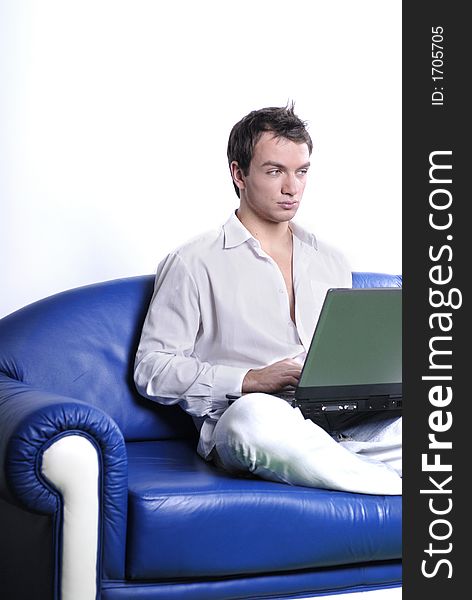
{"points": [[282, 374]]}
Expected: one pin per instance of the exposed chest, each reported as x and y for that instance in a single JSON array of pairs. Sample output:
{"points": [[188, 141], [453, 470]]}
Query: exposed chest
{"points": [[284, 262]]}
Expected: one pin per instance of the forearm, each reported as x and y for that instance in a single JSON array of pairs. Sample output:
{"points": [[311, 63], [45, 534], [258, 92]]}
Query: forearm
{"points": [[197, 386]]}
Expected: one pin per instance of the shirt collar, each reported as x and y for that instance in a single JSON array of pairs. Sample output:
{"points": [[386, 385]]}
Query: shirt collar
{"points": [[236, 234], [303, 235]]}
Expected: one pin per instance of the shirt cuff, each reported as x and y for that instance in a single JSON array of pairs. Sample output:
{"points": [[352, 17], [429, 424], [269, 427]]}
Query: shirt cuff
{"points": [[227, 380]]}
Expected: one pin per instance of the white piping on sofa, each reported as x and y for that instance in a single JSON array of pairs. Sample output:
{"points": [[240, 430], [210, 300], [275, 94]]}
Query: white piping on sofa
{"points": [[71, 465]]}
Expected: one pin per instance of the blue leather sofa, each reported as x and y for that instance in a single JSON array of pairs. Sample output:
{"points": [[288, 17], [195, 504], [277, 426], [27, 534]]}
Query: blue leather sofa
{"points": [[103, 495]]}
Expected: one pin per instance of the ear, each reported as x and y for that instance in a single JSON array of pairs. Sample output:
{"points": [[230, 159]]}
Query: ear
{"points": [[237, 175]]}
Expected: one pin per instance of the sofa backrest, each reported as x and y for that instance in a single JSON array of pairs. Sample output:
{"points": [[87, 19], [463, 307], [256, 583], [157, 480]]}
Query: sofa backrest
{"points": [[81, 344]]}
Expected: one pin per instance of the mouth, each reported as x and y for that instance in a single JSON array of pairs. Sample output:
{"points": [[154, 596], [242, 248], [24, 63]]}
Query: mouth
{"points": [[288, 204]]}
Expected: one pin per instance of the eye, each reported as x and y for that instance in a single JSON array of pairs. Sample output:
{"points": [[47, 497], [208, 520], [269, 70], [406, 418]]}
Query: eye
{"points": [[274, 172], [303, 172]]}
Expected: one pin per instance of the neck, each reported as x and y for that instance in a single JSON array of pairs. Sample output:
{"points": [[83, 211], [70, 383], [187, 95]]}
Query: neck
{"points": [[268, 233]]}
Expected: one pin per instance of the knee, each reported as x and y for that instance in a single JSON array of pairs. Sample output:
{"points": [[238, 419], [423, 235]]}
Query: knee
{"points": [[250, 431], [254, 418], [256, 408], [241, 414]]}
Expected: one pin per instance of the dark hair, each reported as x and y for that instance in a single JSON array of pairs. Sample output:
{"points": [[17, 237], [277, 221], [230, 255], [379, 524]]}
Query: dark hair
{"points": [[282, 121]]}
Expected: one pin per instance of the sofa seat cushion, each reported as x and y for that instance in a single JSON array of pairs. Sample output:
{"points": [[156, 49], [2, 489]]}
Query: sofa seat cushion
{"points": [[188, 519]]}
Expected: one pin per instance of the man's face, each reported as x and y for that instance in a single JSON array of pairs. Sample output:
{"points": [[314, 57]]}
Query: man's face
{"points": [[274, 186]]}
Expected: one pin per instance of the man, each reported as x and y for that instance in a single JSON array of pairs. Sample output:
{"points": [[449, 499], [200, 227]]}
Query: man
{"points": [[233, 312]]}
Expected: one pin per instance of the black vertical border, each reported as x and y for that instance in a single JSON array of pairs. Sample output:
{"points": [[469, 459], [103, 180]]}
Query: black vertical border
{"points": [[428, 128]]}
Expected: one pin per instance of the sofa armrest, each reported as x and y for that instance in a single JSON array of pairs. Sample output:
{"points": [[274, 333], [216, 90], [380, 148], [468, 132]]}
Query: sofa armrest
{"points": [[31, 423]]}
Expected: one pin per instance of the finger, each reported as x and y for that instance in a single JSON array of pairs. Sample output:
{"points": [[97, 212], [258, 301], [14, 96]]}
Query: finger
{"points": [[287, 381], [293, 372]]}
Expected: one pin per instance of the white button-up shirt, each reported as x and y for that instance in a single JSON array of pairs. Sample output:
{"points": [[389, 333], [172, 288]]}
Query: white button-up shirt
{"points": [[220, 308]]}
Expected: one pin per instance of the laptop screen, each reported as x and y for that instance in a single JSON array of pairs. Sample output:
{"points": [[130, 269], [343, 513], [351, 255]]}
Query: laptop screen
{"points": [[357, 342]]}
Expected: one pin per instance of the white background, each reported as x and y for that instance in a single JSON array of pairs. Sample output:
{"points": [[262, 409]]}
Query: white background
{"points": [[114, 119]]}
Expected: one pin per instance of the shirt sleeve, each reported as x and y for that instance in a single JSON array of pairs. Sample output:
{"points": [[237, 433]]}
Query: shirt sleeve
{"points": [[165, 368]]}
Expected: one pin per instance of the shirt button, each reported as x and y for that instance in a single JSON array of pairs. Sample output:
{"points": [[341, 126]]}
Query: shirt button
{"points": [[282, 291]]}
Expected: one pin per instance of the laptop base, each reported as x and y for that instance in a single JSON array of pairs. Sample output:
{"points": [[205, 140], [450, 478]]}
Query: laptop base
{"points": [[336, 416]]}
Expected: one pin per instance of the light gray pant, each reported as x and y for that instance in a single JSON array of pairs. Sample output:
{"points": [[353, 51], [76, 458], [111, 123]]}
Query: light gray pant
{"points": [[265, 436]]}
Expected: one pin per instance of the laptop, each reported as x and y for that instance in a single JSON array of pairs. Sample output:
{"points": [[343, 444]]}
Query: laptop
{"points": [[353, 367], [354, 364]]}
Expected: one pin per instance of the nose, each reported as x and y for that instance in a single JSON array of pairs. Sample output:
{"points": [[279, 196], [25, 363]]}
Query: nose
{"points": [[290, 184]]}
